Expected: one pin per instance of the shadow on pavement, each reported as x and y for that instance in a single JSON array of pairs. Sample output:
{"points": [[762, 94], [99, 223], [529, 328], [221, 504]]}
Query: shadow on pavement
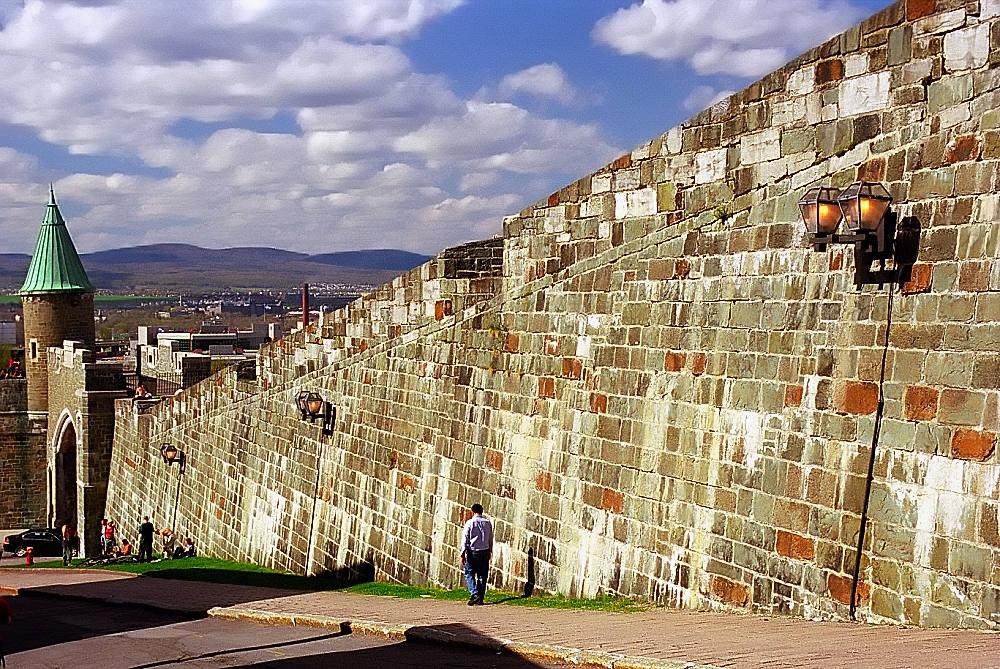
{"points": [[416, 653], [196, 590], [330, 580], [230, 651], [40, 621]]}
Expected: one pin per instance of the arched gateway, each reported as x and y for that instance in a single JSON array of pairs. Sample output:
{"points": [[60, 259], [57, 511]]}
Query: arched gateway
{"points": [[63, 489]]}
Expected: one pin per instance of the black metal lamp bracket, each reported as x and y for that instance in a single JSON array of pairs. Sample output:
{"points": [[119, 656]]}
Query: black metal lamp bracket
{"points": [[878, 244]]}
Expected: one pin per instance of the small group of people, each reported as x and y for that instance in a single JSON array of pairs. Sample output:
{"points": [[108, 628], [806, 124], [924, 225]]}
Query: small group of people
{"points": [[168, 542], [13, 370], [141, 393]]}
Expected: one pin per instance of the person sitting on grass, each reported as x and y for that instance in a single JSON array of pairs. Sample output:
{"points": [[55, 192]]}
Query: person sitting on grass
{"points": [[126, 547], [168, 541], [188, 548]]}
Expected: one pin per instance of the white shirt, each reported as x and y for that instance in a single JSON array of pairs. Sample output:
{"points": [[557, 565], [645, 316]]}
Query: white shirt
{"points": [[477, 535]]}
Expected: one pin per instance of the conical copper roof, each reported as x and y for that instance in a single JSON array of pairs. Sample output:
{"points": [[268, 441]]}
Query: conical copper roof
{"points": [[55, 265]]}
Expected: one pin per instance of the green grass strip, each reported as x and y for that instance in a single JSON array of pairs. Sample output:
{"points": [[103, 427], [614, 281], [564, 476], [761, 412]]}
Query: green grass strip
{"points": [[214, 570]]}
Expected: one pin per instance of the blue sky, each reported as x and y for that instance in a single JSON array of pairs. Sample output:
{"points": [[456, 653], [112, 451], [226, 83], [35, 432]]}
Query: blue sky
{"points": [[326, 125]]}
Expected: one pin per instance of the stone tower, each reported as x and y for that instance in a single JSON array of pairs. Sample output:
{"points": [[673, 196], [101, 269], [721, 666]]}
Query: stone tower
{"points": [[58, 302]]}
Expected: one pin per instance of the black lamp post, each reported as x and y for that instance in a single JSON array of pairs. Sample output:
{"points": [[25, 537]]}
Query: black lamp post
{"points": [[865, 207]]}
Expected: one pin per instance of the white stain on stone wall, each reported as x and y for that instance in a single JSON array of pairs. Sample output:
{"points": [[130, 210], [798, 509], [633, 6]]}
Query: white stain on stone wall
{"points": [[801, 81], [263, 530], [710, 166], [864, 94], [760, 146], [635, 203], [968, 48], [750, 426]]}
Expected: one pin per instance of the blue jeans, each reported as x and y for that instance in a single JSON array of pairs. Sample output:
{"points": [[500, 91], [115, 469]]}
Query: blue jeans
{"points": [[477, 568]]}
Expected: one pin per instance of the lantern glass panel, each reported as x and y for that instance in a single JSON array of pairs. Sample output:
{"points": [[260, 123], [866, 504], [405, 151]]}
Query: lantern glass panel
{"points": [[301, 401], [820, 212], [314, 404], [864, 204]]}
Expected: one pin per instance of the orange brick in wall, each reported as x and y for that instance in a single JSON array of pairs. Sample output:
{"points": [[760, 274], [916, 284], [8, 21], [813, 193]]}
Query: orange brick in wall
{"points": [[612, 500], [920, 403], [857, 397], [795, 546], [840, 589], [494, 459], [972, 444], [737, 594]]}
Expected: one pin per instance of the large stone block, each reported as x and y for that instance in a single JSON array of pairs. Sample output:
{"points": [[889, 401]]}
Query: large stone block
{"points": [[861, 95], [968, 48]]}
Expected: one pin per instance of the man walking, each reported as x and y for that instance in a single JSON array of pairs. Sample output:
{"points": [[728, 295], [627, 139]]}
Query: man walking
{"points": [[69, 541], [477, 548], [146, 531]]}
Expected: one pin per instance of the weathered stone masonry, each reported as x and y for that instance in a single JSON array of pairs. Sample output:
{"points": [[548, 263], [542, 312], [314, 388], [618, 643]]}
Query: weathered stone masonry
{"points": [[22, 458], [662, 392]]}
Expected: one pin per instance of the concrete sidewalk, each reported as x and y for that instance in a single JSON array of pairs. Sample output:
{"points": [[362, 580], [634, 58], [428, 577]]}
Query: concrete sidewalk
{"points": [[658, 638]]}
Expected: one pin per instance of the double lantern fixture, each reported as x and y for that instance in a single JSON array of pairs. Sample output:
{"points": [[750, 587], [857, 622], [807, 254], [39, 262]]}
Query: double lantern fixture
{"points": [[312, 406], [864, 206]]}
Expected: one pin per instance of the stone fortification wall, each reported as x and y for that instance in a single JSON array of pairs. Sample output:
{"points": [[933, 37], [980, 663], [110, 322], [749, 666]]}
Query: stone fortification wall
{"points": [[672, 396], [22, 459], [458, 279], [81, 425]]}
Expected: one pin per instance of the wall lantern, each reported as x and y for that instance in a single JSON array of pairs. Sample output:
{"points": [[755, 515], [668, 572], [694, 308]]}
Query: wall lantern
{"points": [[313, 406], [172, 454], [310, 404], [864, 205]]}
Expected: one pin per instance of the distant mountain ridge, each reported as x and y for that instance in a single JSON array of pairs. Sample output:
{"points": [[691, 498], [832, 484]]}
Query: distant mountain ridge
{"points": [[186, 267]]}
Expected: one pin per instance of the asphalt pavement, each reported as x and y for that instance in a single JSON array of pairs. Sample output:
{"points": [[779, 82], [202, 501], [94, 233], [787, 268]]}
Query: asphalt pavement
{"points": [[52, 631], [661, 638]]}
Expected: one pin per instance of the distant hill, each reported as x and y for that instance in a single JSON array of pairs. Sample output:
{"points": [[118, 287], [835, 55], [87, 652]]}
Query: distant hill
{"points": [[393, 259], [189, 268]]}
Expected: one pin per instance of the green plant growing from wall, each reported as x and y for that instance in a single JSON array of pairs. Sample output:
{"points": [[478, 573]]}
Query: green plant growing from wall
{"points": [[722, 213]]}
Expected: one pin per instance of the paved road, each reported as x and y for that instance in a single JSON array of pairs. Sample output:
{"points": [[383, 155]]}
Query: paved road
{"points": [[57, 632]]}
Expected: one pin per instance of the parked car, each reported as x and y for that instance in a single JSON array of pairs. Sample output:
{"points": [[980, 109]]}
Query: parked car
{"points": [[45, 541]]}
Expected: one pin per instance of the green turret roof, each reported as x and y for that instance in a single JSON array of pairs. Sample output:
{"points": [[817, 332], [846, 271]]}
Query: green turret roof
{"points": [[55, 265]]}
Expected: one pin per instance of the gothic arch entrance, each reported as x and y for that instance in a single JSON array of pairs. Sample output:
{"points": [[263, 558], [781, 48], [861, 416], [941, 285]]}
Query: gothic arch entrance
{"points": [[64, 488]]}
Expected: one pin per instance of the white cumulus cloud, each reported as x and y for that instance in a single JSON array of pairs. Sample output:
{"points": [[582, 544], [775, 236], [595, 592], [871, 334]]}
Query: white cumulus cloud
{"points": [[363, 149], [546, 80], [738, 37]]}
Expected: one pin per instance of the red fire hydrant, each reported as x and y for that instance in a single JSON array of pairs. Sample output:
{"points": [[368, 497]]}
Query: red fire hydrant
{"points": [[29, 555]]}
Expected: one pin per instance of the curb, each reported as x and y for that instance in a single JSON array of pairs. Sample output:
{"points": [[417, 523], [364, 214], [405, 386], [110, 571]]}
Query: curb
{"points": [[404, 632]]}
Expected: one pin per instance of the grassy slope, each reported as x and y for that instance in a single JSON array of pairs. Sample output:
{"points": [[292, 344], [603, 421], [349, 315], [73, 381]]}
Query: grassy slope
{"points": [[213, 570]]}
